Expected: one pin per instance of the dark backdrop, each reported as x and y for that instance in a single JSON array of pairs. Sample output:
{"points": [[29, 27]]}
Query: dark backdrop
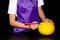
{"points": [[5, 28]]}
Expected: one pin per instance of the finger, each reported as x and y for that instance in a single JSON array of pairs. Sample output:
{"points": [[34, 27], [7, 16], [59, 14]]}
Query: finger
{"points": [[50, 21], [33, 27], [35, 22]]}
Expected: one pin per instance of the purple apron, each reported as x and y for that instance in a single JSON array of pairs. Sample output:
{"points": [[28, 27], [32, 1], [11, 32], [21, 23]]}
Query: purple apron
{"points": [[27, 12]]}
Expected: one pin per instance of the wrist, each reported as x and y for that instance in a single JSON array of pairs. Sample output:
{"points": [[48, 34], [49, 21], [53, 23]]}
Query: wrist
{"points": [[44, 19], [28, 26]]}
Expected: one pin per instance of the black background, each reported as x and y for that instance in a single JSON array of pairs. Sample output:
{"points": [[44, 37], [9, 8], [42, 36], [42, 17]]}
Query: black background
{"points": [[50, 8]]}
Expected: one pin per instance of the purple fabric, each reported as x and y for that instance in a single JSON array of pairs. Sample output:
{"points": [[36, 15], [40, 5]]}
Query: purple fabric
{"points": [[27, 12]]}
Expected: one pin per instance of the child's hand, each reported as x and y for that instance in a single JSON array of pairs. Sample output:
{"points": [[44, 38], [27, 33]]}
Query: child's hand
{"points": [[34, 25], [48, 20]]}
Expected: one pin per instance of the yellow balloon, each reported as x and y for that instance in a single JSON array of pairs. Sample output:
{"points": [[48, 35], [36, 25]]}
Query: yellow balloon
{"points": [[46, 28]]}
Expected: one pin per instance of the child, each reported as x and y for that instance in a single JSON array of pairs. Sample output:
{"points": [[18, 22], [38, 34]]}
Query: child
{"points": [[27, 13]]}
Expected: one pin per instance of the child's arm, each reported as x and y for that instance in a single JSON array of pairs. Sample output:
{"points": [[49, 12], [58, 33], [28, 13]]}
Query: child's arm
{"points": [[13, 22], [42, 15], [12, 9]]}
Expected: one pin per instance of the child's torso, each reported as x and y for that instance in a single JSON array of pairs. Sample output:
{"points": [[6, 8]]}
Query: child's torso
{"points": [[27, 12]]}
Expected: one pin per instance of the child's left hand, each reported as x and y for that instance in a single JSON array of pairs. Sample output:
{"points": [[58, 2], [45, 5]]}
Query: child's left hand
{"points": [[48, 20]]}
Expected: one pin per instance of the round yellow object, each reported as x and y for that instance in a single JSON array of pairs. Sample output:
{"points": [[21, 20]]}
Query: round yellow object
{"points": [[46, 28]]}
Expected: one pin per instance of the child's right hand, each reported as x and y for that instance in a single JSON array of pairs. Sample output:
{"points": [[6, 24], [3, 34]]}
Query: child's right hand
{"points": [[34, 25]]}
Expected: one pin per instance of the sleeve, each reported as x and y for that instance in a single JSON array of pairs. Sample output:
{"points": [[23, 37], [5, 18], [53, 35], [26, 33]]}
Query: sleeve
{"points": [[12, 7], [40, 3]]}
